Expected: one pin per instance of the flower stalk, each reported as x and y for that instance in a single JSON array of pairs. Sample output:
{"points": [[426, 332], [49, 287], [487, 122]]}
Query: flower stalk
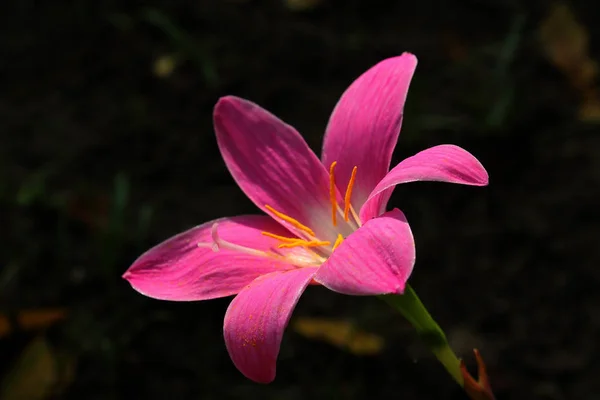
{"points": [[411, 307]]}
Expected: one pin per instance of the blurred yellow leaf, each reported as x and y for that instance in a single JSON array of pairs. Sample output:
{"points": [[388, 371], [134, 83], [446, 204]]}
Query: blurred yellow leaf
{"points": [[589, 110], [564, 40], [565, 43], [164, 66], [340, 333], [37, 374], [30, 320]]}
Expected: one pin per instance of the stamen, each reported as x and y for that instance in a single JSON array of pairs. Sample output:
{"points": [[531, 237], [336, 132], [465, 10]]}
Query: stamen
{"points": [[332, 196], [349, 194], [281, 238], [338, 241], [303, 243], [290, 220], [356, 217]]}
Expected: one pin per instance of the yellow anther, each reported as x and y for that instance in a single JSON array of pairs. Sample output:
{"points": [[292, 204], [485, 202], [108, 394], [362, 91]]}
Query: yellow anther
{"points": [[348, 195], [338, 241], [281, 238], [304, 243], [290, 220], [332, 196]]}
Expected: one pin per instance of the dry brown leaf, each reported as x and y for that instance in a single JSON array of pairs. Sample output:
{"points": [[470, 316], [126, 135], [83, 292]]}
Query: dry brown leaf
{"points": [[340, 333], [30, 320], [37, 374]]}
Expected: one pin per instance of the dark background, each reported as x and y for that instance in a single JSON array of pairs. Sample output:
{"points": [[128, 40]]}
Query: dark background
{"points": [[105, 151]]}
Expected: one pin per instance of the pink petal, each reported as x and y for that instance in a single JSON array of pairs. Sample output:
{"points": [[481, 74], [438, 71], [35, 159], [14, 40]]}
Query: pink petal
{"points": [[178, 269], [271, 162], [257, 317], [444, 163], [376, 259], [365, 124]]}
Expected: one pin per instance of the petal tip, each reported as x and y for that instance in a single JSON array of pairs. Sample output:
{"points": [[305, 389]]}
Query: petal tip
{"points": [[263, 379], [410, 57], [405, 61], [135, 278], [482, 178], [225, 101], [486, 178], [134, 269]]}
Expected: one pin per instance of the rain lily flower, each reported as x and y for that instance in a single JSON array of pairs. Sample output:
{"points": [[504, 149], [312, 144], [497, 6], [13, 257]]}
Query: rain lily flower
{"points": [[326, 221]]}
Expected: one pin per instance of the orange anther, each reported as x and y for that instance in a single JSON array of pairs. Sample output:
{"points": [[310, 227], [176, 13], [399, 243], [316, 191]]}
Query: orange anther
{"points": [[338, 241], [281, 238], [290, 220], [348, 195], [304, 243]]}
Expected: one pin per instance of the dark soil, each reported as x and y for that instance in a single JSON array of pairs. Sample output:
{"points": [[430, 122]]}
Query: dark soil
{"points": [[100, 158]]}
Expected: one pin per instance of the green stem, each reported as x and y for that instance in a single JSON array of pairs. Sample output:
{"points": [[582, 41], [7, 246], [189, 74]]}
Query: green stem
{"points": [[411, 307]]}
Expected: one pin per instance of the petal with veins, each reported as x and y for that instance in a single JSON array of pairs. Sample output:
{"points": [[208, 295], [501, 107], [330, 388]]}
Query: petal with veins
{"points": [[257, 317], [178, 269], [376, 259], [365, 124], [272, 164], [443, 163]]}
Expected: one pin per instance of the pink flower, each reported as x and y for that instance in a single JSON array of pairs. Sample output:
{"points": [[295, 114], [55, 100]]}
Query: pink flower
{"points": [[326, 221]]}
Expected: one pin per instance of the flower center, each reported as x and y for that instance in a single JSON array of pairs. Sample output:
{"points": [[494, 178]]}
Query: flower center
{"points": [[307, 237], [315, 251]]}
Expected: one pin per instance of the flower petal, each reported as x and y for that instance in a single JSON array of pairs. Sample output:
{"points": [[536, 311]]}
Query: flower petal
{"points": [[365, 124], [178, 269], [376, 259], [271, 162], [444, 163], [257, 317]]}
